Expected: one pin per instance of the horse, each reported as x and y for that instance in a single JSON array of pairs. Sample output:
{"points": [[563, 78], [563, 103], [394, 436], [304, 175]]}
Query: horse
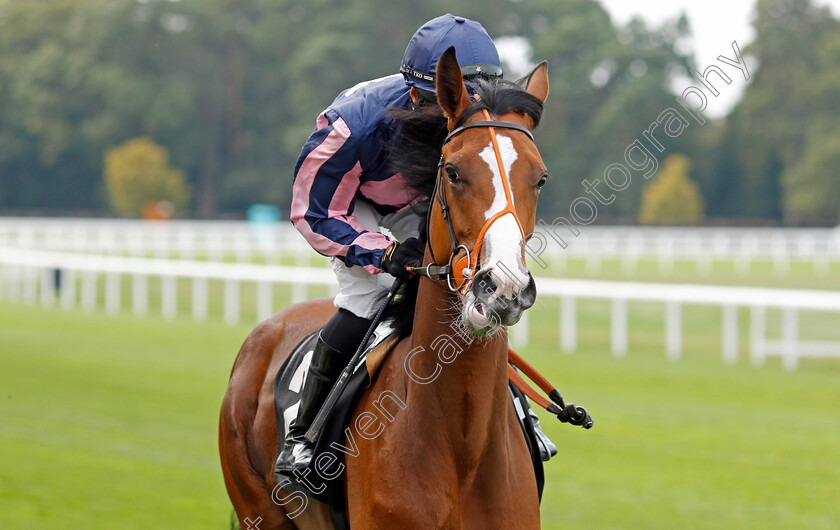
{"points": [[446, 449]]}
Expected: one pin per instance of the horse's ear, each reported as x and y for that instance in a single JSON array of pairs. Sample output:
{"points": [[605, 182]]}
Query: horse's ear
{"points": [[449, 84], [536, 83]]}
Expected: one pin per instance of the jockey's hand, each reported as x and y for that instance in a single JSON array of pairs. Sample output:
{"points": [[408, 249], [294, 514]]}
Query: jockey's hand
{"points": [[398, 256]]}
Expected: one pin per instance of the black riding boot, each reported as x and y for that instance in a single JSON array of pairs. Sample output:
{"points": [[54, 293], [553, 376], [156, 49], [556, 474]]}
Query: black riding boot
{"points": [[345, 330], [327, 364]]}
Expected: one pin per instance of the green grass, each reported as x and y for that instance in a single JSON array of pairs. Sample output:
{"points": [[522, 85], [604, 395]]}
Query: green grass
{"points": [[693, 443], [111, 423]]}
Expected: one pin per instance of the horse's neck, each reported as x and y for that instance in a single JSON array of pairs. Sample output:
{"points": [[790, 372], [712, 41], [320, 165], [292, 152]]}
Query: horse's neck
{"points": [[468, 399]]}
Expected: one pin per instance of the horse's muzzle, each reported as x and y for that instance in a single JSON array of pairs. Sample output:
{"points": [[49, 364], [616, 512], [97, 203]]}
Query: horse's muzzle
{"points": [[495, 300]]}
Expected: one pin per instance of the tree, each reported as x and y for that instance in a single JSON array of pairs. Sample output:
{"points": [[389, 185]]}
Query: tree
{"points": [[672, 197], [232, 87], [54, 100], [607, 84], [138, 173], [812, 188], [794, 85]]}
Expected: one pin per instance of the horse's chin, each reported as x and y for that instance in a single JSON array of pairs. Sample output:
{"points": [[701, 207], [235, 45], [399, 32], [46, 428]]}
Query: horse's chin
{"points": [[478, 332]]}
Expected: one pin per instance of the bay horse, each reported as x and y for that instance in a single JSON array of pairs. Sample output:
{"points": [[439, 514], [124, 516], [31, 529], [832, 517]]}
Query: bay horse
{"points": [[448, 452]]}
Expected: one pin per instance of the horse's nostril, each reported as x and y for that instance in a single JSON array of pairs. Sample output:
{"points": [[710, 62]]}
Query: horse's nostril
{"points": [[528, 295], [483, 285]]}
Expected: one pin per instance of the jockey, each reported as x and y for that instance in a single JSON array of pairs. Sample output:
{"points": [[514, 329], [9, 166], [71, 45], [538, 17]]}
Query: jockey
{"points": [[344, 192]]}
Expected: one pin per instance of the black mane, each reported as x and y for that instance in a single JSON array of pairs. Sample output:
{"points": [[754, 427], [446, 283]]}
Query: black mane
{"points": [[420, 133], [415, 153]]}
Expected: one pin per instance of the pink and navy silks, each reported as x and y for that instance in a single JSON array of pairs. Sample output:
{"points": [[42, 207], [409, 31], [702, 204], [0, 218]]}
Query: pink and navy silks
{"points": [[343, 161]]}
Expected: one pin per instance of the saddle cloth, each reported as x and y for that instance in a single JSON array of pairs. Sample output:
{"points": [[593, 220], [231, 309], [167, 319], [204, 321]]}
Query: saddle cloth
{"points": [[287, 387]]}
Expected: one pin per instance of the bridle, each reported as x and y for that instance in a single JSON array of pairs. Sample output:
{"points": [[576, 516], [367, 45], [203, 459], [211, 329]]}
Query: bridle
{"points": [[459, 274]]}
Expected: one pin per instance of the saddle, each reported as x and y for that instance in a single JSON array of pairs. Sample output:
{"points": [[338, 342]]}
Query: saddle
{"points": [[323, 479]]}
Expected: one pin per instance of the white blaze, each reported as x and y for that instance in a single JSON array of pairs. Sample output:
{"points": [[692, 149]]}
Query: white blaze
{"points": [[503, 241], [508, 157]]}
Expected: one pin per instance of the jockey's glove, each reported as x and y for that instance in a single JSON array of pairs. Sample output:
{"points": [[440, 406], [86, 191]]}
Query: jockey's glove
{"points": [[398, 256]]}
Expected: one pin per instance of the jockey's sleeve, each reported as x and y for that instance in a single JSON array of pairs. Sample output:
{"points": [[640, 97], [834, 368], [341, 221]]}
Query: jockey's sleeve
{"points": [[325, 184]]}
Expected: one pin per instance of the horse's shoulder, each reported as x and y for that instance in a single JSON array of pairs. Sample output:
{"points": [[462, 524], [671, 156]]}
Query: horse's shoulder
{"points": [[390, 379]]}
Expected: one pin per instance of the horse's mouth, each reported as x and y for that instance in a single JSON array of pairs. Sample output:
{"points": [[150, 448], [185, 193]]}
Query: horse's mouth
{"points": [[481, 319], [494, 300]]}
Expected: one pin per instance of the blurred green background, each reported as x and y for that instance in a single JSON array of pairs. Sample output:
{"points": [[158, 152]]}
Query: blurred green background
{"points": [[231, 89]]}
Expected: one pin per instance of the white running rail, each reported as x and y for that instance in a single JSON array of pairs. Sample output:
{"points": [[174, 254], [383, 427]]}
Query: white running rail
{"points": [[554, 243], [30, 275]]}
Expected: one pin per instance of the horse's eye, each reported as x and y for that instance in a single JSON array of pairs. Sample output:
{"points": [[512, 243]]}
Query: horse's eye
{"points": [[542, 181], [452, 175]]}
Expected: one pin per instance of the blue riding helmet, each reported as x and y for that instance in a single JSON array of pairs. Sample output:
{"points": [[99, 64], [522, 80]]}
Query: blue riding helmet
{"points": [[474, 50]]}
